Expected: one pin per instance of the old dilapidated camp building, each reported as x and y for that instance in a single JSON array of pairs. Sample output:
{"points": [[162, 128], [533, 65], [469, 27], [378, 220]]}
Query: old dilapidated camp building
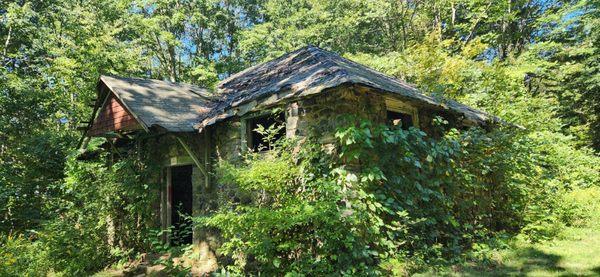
{"points": [[190, 127]]}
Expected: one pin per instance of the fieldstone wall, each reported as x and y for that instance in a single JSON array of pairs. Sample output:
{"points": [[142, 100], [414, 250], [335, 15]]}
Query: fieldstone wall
{"points": [[319, 115], [227, 139], [322, 114]]}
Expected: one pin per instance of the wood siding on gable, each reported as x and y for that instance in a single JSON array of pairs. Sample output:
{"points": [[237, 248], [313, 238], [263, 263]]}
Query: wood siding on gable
{"points": [[113, 117]]}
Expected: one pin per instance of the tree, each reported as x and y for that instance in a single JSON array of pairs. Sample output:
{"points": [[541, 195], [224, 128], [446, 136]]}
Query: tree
{"points": [[192, 41], [53, 52]]}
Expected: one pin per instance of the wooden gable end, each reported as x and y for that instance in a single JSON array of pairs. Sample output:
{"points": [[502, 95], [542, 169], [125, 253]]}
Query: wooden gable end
{"points": [[113, 116]]}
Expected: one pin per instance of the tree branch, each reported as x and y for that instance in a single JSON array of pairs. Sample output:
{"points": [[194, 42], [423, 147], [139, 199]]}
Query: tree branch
{"points": [[7, 41]]}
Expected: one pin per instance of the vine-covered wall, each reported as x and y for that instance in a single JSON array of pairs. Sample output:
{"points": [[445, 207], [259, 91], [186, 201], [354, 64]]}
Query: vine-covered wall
{"points": [[317, 116]]}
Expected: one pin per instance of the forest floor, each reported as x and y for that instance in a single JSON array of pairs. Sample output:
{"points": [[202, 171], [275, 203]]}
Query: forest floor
{"points": [[576, 252]]}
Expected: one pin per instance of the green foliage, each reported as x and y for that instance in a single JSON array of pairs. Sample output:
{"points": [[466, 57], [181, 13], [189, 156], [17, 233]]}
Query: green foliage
{"points": [[20, 256], [288, 218], [269, 134], [51, 55], [458, 189], [565, 64], [103, 214], [385, 194], [26, 184], [587, 209], [534, 64]]}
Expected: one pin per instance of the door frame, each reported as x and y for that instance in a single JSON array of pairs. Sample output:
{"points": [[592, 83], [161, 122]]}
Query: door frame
{"points": [[167, 193]]}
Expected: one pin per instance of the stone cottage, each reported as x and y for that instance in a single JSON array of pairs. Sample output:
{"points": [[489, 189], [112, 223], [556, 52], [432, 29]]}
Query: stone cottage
{"points": [[190, 127]]}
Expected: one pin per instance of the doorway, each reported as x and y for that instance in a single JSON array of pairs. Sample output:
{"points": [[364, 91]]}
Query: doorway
{"points": [[181, 205]]}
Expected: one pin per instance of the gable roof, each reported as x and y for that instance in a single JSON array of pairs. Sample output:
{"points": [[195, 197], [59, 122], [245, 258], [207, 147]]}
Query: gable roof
{"points": [[113, 117], [179, 107], [172, 106], [311, 70]]}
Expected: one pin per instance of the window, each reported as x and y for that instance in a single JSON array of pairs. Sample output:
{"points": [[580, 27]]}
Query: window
{"points": [[401, 114], [403, 120], [264, 131]]}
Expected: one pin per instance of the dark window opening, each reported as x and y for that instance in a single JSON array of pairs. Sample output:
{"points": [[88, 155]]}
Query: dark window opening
{"points": [[403, 120], [264, 131], [181, 205]]}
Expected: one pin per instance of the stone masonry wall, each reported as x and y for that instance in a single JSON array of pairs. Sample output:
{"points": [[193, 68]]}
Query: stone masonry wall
{"points": [[227, 139], [318, 115]]}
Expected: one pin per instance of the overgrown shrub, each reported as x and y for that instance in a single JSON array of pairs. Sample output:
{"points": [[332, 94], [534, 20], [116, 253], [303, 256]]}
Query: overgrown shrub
{"points": [[105, 211], [457, 189], [285, 217], [585, 209], [20, 256], [382, 196], [102, 214]]}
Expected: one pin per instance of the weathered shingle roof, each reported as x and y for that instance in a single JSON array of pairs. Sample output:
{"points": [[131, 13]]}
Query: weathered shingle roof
{"points": [[310, 70], [179, 107], [175, 107]]}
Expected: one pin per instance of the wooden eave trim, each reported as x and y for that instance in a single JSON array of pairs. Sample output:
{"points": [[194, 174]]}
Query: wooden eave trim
{"points": [[97, 107]]}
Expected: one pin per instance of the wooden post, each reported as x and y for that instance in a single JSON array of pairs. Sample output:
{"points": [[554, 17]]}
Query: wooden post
{"points": [[188, 149]]}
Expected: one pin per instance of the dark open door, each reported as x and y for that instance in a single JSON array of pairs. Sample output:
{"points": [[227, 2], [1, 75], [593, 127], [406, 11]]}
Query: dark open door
{"points": [[181, 204]]}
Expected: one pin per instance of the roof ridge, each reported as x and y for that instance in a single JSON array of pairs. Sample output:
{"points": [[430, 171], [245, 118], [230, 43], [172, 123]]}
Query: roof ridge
{"points": [[372, 70], [264, 64], [180, 84]]}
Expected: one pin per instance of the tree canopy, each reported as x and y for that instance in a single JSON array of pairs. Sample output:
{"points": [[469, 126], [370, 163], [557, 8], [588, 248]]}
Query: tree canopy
{"points": [[532, 63]]}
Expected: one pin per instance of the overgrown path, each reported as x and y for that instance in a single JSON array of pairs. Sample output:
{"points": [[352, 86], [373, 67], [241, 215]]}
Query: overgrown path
{"points": [[575, 253]]}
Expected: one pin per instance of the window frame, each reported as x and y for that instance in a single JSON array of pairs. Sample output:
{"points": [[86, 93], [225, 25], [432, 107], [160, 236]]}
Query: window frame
{"points": [[397, 106], [246, 132]]}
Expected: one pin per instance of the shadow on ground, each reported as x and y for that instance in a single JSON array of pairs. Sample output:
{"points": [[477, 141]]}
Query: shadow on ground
{"points": [[531, 261]]}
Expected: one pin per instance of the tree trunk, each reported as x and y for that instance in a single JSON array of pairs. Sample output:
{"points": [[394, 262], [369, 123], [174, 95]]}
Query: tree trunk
{"points": [[7, 42], [173, 64]]}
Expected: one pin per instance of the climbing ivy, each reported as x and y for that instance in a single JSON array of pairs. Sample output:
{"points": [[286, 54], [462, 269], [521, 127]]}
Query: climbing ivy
{"points": [[379, 196]]}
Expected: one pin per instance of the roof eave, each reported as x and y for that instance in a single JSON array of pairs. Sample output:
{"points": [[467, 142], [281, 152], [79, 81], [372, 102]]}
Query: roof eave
{"points": [[286, 96]]}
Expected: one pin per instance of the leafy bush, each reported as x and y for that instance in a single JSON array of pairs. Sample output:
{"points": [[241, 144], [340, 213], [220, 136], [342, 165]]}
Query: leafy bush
{"points": [[457, 188], [383, 196], [19, 256], [102, 214], [585, 206], [284, 217]]}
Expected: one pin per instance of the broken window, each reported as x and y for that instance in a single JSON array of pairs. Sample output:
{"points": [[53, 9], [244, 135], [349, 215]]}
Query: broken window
{"points": [[401, 119], [264, 131]]}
